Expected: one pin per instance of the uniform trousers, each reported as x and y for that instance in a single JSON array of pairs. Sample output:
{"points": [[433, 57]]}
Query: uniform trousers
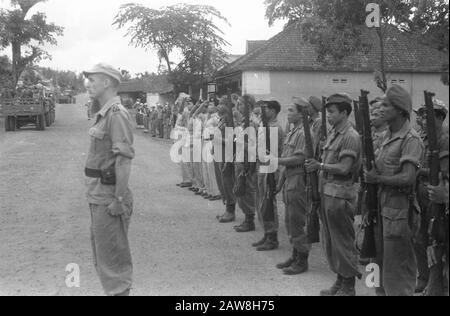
{"points": [[111, 249], [338, 234], [296, 211], [247, 202], [268, 218], [399, 260]]}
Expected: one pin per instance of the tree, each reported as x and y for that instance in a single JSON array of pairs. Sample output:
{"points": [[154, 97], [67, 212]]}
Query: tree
{"points": [[338, 27], [5, 73], [19, 32], [182, 29]]}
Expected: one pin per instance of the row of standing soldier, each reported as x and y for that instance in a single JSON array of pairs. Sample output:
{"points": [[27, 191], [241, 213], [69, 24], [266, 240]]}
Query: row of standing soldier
{"points": [[156, 120], [320, 172]]}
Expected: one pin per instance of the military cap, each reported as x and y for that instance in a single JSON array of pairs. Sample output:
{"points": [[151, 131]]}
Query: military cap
{"points": [[301, 102], [438, 105], [399, 98], [339, 98], [377, 100], [316, 103], [105, 69]]}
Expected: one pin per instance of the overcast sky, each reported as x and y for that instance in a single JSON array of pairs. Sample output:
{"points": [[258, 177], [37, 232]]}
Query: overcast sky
{"points": [[89, 36]]}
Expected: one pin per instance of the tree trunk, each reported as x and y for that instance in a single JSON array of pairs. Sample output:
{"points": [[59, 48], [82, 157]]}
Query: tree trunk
{"points": [[16, 56]]}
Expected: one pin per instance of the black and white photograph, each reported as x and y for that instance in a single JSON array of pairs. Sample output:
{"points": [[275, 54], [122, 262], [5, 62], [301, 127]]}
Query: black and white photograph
{"points": [[224, 154]]}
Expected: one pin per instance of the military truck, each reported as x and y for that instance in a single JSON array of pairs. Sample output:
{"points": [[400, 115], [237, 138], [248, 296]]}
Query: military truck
{"points": [[28, 105], [19, 112]]}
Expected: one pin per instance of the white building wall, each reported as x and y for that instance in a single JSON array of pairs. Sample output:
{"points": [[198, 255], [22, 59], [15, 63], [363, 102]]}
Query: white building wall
{"points": [[282, 86]]}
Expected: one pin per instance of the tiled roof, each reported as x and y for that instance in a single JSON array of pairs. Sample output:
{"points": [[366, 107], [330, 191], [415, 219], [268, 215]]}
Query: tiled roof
{"points": [[252, 45], [156, 85], [231, 58], [288, 51]]}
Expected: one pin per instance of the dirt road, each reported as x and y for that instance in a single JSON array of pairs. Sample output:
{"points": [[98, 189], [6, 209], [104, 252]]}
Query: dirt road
{"points": [[178, 246]]}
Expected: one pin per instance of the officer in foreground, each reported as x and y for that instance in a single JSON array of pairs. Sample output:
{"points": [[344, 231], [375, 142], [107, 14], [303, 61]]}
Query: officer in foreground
{"points": [[108, 169]]}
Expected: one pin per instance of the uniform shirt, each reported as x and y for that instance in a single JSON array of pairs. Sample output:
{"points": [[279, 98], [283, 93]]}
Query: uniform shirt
{"points": [[160, 114], [199, 124], [281, 135], [377, 138], [262, 139], [111, 136], [343, 142], [211, 125], [294, 145], [399, 148], [404, 146], [240, 138], [316, 132]]}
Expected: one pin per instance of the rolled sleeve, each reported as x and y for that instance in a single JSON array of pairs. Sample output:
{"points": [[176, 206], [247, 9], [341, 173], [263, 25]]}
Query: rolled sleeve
{"points": [[122, 136], [300, 146], [413, 152], [351, 147]]}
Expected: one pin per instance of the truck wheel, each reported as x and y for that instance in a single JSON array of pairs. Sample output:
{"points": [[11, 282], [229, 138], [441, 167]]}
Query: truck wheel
{"points": [[40, 122], [12, 123], [7, 124], [47, 119]]}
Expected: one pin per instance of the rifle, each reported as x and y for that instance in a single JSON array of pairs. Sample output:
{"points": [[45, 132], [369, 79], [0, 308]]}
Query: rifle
{"points": [[269, 215], [313, 223], [360, 129], [436, 229], [369, 249], [324, 128]]}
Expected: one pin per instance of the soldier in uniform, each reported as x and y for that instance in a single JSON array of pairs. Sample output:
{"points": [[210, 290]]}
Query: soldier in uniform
{"points": [[422, 239], [268, 214], [247, 202], [293, 180], [153, 121], [379, 126], [226, 173], [160, 121], [341, 164], [108, 168], [438, 254], [396, 166]]}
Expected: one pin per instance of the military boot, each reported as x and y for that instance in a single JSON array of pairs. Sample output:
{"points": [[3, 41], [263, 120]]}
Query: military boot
{"points": [[261, 242], [289, 262], [247, 226], [334, 289], [271, 243], [229, 215], [299, 266], [348, 287]]}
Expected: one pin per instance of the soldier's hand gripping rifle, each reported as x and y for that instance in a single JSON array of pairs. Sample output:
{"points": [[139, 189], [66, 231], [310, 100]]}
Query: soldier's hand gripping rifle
{"points": [[271, 180], [437, 226], [313, 223], [368, 249]]}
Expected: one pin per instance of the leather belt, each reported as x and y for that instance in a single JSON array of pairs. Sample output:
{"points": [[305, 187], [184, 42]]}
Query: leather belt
{"points": [[402, 190], [93, 173]]}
